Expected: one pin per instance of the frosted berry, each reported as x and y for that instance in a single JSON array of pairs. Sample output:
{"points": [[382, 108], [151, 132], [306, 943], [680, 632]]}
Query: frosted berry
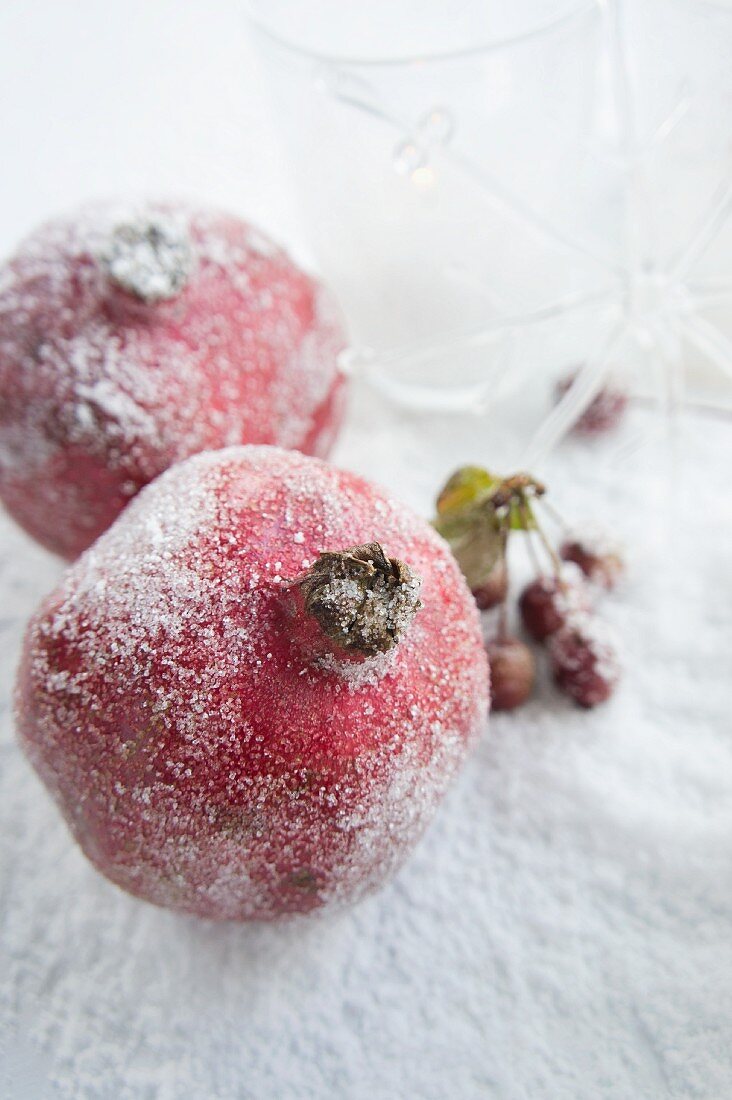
{"points": [[546, 602], [133, 338], [493, 591], [512, 672], [605, 411], [584, 661], [244, 705], [600, 562]]}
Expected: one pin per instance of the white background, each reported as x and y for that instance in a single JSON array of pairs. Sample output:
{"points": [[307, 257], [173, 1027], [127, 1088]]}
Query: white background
{"points": [[111, 98]]}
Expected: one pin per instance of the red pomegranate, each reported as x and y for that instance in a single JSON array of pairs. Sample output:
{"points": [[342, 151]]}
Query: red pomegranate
{"points": [[133, 338], [250, 694]]}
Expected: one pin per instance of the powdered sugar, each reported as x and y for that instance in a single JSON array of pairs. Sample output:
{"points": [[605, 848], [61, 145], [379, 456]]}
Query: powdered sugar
{"points": [[358, 674], [150, 258], [584, 659]]}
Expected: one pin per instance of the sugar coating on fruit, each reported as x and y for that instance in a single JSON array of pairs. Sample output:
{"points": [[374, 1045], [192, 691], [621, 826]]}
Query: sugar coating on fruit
{"points": [[603, 413], [151, 258], [202, 760], [547, 601], [134, 336], [357, 674], [584, 659], [598, 555], [604, 645], [594, 540], [599, 639]]}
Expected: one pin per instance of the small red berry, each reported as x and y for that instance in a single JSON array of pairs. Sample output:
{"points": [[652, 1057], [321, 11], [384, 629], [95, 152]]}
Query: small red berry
{"points": [[546, 602], [584, 662], [494, 589], [600, 562], [603, 413], [512, 672]]}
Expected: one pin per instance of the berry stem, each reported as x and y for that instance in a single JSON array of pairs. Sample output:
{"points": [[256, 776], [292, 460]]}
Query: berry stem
{"points": [[556, 516], [553, 556], [532, 551], [502, 608]]}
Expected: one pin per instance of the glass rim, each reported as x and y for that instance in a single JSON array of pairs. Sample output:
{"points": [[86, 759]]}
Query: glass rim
{"points": [[570, 11]]}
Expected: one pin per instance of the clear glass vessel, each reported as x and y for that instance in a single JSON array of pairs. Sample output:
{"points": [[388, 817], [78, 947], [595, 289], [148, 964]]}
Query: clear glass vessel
{"points": [[505, 192]]}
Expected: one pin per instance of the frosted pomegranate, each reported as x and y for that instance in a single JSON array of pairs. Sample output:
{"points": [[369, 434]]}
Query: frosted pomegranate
{"points": [[133, 338], [249, 695]]}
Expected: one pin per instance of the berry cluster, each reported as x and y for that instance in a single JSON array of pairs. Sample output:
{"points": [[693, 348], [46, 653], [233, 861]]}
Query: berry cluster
{"points": [[477, 512]]}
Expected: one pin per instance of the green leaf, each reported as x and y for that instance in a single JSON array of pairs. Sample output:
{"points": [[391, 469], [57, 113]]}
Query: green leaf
{"points": [[476, 541], [468, 485]]}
